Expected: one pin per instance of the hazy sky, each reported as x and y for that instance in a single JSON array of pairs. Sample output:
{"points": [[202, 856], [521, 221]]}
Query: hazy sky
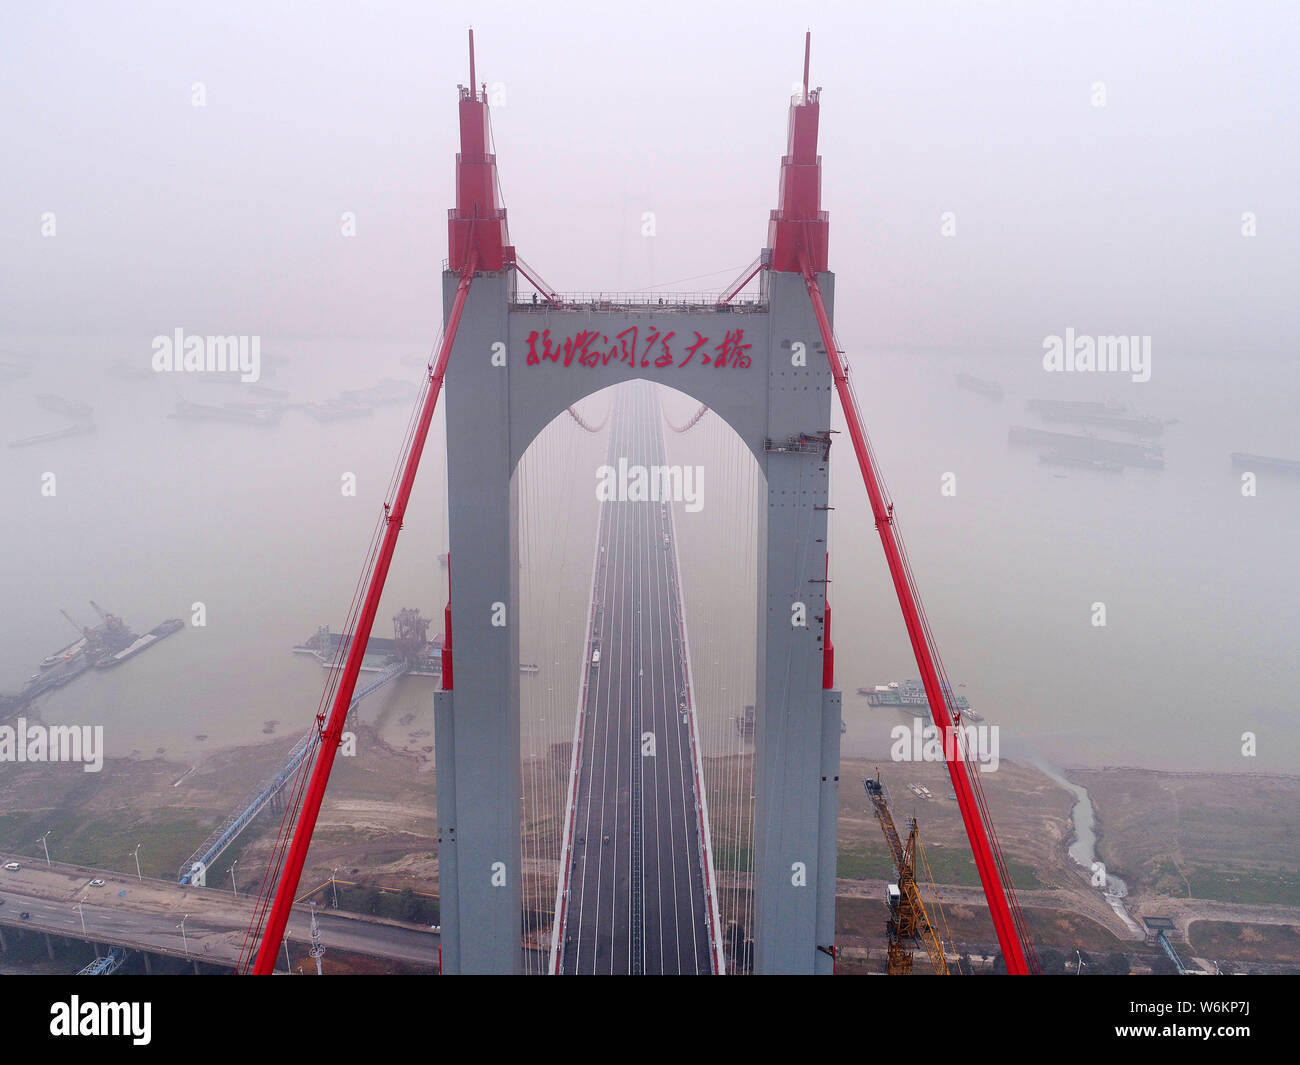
{"points": [[225, 218]]}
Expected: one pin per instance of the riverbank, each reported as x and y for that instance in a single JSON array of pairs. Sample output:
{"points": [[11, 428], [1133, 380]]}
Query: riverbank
{"points": [[1220, 836], [1226, 833]]}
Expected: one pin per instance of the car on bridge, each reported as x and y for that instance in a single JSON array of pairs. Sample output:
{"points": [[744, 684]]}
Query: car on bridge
{"points": [[97, 882], [13, 867]]}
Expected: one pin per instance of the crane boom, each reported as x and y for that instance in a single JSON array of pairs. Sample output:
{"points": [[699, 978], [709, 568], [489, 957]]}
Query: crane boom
{"points": [[331, 728]]}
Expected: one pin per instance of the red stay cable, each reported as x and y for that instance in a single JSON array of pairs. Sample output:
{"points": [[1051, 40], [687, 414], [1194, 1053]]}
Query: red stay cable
{"points": [[331, 736], [978, 829]]}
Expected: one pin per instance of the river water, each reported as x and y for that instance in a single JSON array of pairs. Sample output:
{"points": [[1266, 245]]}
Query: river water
{"points": [[153, 515]]}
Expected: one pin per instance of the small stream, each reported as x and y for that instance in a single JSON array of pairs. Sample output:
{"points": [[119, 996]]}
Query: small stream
{"points": [[1083, 848]]}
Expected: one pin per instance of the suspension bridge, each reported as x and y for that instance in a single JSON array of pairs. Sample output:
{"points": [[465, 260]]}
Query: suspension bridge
{"points": [[607, 778]]}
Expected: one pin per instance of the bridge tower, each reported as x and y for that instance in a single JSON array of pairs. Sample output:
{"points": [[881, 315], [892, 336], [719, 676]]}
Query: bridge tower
{"points": [[762, 367]]}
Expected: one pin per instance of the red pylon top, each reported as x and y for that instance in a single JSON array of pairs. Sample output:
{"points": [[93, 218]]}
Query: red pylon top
{"points": [[799, 222], [477, 219]]}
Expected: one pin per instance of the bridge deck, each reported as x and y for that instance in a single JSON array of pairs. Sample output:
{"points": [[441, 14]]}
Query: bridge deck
{"points": [[145, 914], [636, 884]]}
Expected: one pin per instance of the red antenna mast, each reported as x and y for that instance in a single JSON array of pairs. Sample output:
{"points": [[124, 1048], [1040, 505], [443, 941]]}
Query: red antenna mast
{"points": [[807, 54]]}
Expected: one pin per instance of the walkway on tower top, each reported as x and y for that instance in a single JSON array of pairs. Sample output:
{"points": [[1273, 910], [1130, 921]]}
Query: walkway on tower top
{"points": [[641, 302]]}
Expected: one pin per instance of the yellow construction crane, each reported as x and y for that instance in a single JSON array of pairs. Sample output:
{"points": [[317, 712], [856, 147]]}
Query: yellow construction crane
{"points": [[909, 922]]}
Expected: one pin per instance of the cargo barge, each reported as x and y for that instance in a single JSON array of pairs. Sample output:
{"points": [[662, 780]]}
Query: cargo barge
{"points": [[978, 384], [75, 429], [227, 412], [1059, 458], [1090, 447], [910, 696], [1062, 408], [69, 408], [1245, 460], [64, 654], [104, 646], [329, 648], [142, 643], [333, 410], [247, 387], [1138, 425], [127, 371], [410, 643], [40, 683], [389, 390]]}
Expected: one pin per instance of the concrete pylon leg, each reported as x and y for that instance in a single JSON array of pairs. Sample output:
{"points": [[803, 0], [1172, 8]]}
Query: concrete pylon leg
{"points": [[4, 946], [148, 965], [477, 728], [797, 728], [49, 946], [828, 831]]}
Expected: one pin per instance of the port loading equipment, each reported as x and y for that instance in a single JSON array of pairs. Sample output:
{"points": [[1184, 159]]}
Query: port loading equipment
{"points": [[102, 646]]}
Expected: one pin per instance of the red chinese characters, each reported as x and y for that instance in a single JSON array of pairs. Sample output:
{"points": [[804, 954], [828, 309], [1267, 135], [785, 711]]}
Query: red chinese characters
{"points": [[629, 348], [733, 351]]}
